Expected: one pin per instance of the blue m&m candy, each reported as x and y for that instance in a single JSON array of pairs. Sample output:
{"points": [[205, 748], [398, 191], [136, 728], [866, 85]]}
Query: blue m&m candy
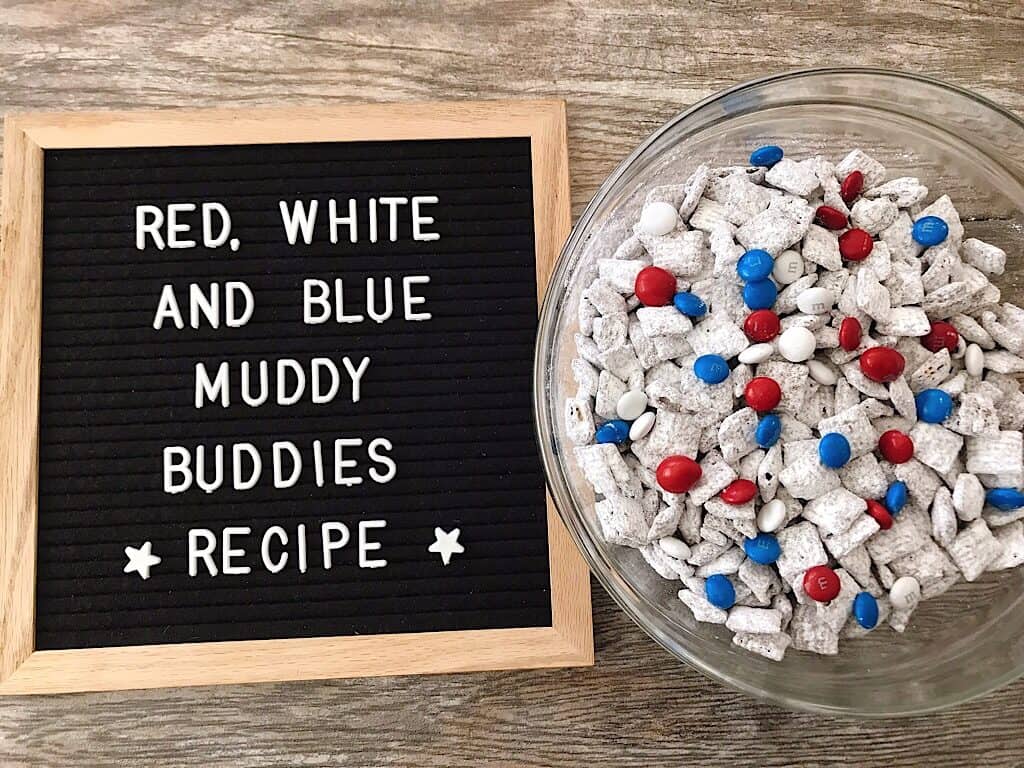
{"points": [[760, 294], [755, 264], [865, 610], [614, 431], [766, 156], [896, 497], [1005, 499], [711, 369], [763, 548], [720, 592], [768, 430], [929, 231], [690, 304], [834, 450], [933, 405]]}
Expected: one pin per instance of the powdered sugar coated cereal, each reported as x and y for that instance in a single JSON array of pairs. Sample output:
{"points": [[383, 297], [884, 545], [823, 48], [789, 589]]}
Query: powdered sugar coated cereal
{"points": [[802, 310]]}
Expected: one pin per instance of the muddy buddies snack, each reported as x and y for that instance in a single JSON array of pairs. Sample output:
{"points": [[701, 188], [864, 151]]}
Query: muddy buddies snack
{"points": [[797, 397]]}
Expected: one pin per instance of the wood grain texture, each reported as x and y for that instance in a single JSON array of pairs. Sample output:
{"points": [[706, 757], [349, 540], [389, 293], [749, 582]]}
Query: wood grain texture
{"points": [[623, 68], [21, 268]]}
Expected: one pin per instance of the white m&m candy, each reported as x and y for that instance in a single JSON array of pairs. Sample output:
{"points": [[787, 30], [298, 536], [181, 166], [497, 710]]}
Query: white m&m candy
{"points": [[789, 267], [797, 344], [822, 373], [674, 547], [974, 360], [639, 428], [658, 219], [631, 405], [905, 593], [756, 353], [771, 516], [815, 301]]}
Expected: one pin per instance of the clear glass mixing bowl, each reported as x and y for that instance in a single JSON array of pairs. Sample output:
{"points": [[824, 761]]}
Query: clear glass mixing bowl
{"points": [[958, 646]]}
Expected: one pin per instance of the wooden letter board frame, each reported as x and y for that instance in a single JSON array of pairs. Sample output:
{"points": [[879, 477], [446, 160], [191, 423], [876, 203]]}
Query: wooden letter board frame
{"points": [[568, 642]]}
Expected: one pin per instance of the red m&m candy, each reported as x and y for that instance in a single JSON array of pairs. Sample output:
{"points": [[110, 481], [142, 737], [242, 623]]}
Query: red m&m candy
{"points": [[941, 335], [677, 474], [821, 583], [849, 333], [738, 492], [762, 394], [882, 364], [762, 325], [896, 446], [654, 286], [852, 186], [880, 513], [855, 245], [830, 218]]}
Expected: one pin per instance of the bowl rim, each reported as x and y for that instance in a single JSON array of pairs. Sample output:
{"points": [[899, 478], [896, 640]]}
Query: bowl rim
{"points": [[544, 418]]}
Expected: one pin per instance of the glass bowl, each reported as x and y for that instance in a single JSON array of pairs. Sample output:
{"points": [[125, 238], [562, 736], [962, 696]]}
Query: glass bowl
{"points": [[958, 646]]}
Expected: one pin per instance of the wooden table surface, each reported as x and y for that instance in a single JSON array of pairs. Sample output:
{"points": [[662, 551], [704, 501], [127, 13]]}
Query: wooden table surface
{"points": [[623, 67]]}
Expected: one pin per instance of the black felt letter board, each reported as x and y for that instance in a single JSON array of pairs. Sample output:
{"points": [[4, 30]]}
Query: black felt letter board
{"points": [[451, 395]]}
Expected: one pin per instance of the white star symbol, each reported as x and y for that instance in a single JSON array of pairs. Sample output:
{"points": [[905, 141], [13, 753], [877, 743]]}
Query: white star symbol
{"points": [[141, 559], [446, 544]]}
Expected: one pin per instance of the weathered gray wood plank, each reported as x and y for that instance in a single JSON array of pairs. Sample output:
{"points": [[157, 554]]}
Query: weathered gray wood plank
{"points": [[624, 68], [635, 707]]}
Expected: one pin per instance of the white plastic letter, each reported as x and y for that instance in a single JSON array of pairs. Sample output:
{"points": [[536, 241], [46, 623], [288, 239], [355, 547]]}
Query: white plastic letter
{"points": [[200, 304], [321, 300], [371, 301], [167, 309], [212, 390], [410, 300], [330, 544], [206, 553], [225, 225], [283, 366], [148, 220], [392, 204], [218, 468], [236, 466], [228, 554], [177, 460], [339, 302], [318, 395], [299, 218], [341, 463], [370, 546], [264, 390], [356, 374], [279, 448], [231, 317], [372, 450], [418, 220], [300, 539], [278, 532], [336, 221], [173, 227]]}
